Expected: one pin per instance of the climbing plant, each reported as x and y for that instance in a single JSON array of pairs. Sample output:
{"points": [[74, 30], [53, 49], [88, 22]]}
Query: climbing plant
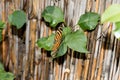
{"points": [[75, 40]]}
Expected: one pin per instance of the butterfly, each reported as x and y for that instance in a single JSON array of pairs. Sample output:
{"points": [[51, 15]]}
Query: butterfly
{"points": [[57, 40]]}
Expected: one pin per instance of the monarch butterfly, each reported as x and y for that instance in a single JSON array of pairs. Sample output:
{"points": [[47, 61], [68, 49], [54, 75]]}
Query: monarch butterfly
{"points": [[57, 40]]}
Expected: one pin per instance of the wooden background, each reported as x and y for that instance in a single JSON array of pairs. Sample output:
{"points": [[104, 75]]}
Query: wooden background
{"points": [[20, 54]]}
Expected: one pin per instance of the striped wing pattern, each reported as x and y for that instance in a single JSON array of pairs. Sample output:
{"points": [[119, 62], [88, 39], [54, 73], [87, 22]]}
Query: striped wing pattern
{"points": [[57, 40]]}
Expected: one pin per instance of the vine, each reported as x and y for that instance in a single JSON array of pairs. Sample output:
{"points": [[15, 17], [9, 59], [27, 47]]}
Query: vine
{"points": [[75, 40]]}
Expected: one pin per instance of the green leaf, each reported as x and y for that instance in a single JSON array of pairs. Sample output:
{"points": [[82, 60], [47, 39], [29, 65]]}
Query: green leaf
{"points": [[116, 32], [0, 35], [111, 14], [88, 21], [74, 40], [6, 76], [62, 50], [2, 25], [1, 67], [46, 42], [17, 18], [53, 15], [66, 30], [77, 41]]}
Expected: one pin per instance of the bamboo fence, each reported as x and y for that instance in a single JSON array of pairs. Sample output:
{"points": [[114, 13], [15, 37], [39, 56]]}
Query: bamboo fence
{"points": [[20, 54]]}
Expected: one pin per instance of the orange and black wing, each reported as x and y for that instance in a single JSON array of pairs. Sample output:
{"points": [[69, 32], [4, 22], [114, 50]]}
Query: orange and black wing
{"points": [[57, 40]]}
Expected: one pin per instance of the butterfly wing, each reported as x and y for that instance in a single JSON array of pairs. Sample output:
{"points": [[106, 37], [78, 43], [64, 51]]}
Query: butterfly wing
{"points": [[57, 41]]}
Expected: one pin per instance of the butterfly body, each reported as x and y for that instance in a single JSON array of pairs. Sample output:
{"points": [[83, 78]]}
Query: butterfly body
{"points": [[57, 41]]}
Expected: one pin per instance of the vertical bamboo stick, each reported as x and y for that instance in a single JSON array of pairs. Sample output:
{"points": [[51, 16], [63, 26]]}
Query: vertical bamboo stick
{"points": [[3, 33], [56, 70], [116, 64], [86, 65], [92, 73], [79, 70], [93, 69], [109, 43], [33, 24], [63, 69], [88, 8], [102, 56], [112, 60], [89, 5], [97, 6], [67, 67], [26, 7], [25, 58], [12, 43], [100, 64], [43, 55]]}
